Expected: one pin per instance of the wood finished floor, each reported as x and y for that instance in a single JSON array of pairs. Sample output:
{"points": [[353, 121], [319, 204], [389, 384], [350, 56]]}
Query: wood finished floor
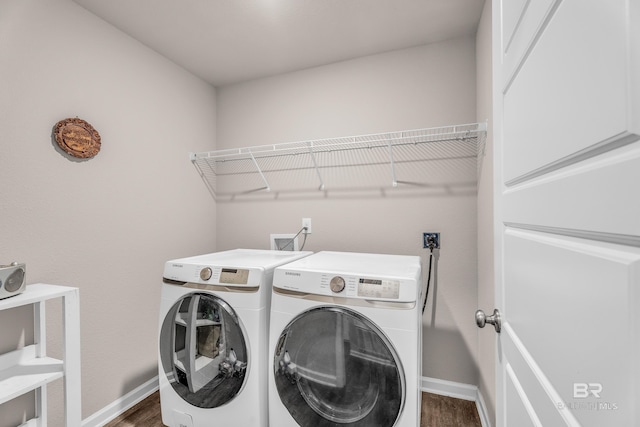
{"points": [[437, 411]]}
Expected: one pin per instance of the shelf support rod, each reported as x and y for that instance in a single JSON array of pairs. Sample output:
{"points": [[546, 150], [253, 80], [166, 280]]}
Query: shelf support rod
{"points": [[315, 164], [394, 180], [210, 186], [266, 183]]}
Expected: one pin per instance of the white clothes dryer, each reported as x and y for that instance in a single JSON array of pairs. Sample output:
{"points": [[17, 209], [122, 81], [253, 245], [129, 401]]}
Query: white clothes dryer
{"points": [[345, 341], [213, 338]]}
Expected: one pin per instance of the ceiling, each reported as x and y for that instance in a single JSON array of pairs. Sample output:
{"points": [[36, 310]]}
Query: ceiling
{"points": [[229, 41]]}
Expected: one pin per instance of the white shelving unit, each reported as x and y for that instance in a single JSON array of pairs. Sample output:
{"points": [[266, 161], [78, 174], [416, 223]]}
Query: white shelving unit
{"points": [[420, 157], [30, 369]]}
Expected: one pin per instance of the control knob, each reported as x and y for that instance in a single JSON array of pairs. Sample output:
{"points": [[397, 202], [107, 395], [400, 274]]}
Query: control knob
{"points": [[337, 284], [205, 273]]}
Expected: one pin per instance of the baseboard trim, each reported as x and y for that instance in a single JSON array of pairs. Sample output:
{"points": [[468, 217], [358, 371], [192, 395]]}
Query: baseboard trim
{"points": [[449, 388], [482, 410], [118, 407], [458, 391], [430, 385]]}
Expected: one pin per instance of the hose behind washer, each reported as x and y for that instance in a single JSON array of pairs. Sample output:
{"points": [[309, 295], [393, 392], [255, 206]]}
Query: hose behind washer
{"points": [[426, 294]]}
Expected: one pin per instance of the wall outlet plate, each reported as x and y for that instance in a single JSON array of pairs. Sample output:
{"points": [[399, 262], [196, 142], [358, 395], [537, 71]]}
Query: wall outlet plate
{"points": [[306, 222], [427, 237]]}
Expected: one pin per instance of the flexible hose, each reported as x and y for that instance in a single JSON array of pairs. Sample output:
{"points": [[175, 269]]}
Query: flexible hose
{"points": [[426, 294], [290, 242]]}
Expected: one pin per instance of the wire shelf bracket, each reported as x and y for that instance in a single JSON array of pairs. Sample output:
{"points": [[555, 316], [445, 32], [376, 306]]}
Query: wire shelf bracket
{"points": [[394, 180], [266, 183], [315, 165]]}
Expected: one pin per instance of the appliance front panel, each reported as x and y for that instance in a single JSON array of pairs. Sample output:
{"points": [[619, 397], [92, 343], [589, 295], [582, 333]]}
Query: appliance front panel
{"points": [[331, 365], [400, 327]]}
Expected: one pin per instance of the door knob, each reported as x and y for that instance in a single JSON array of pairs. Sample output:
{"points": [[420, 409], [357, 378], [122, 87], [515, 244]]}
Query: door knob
{"points": [[482, 319]]}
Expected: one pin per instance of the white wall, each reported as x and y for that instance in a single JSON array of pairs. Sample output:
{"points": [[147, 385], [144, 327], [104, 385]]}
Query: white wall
{"points": [[427, 86], [106, 225], [486, 282]]}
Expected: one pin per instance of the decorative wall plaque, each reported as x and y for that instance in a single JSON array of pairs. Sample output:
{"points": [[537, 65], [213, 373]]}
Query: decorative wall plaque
{"points": [[77, 138]]}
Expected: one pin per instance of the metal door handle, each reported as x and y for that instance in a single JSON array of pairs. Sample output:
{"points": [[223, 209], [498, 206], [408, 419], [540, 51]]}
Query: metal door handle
{"points": [[482, 319]]}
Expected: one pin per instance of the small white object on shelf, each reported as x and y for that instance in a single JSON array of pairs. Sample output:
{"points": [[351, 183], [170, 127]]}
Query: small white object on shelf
{"points": [[29, 368]]}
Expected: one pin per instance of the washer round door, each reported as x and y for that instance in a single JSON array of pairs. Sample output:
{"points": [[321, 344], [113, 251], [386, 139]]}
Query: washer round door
{"points": [[203, 350], [334, 366]]}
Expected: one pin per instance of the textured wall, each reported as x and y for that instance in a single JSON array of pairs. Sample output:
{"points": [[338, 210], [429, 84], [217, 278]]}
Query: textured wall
{"points": [[427, 86], [106, 225]]}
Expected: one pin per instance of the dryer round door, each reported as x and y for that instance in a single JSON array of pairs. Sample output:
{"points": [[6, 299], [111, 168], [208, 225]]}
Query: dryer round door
{"points": [[203, 350], [334, 366]]}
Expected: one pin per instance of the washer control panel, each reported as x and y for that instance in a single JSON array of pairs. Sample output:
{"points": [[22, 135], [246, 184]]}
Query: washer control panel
{"points": [[337, 284], [213, 275], [206, 273], [378, 288], [234, 276], [230, 276]]}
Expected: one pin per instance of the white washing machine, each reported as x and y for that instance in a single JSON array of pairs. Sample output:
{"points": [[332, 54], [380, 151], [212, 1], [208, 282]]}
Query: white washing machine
{"points": [[213, 338], [345, 341]]}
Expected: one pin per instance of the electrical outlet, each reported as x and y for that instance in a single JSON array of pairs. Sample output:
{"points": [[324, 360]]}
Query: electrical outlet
{"points": [[427, 238], [306, 222]]}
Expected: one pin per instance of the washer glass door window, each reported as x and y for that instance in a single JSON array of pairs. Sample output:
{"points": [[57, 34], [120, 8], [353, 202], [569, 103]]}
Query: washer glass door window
{"points": [[334, 366], [203, 350]]}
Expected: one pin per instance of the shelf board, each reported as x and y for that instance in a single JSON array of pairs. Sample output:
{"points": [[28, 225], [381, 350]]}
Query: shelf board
{"points": [[445, 156], [181, 319], [21, 372], [204, 362], [207, 322], [35, 293], [394, 139]]}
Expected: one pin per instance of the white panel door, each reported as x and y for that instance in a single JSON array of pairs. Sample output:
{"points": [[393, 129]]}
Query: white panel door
{"points": [[567, 144]]}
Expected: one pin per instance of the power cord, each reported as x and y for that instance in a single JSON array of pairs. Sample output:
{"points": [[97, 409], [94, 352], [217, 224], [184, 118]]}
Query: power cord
{"points": [[293, 239], [431, 241]]}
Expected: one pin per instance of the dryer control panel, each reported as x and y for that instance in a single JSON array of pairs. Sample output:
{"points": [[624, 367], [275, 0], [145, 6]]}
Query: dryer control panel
{"points": [[362, 287], [376, 277], [347, 286], [354, 286]]}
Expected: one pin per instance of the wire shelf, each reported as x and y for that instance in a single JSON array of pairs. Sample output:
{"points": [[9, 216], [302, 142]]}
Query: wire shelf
{"points": [[420, 157]]}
